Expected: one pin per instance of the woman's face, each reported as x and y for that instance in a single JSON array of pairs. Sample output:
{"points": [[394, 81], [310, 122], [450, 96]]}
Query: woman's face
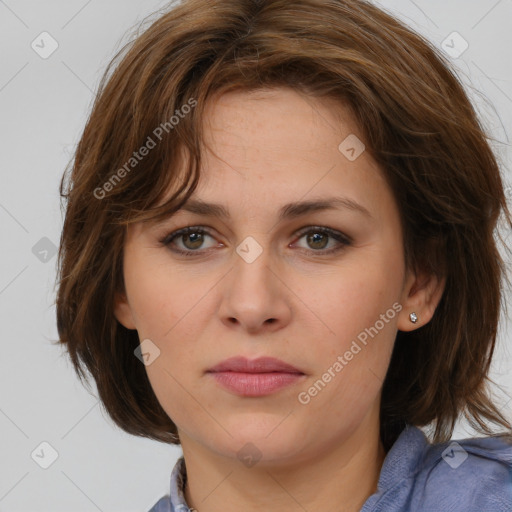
{"points": [[273, 281]]}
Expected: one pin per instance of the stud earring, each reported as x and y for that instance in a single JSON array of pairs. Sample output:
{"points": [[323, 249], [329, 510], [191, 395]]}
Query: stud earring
{"points": [[413, 317]]}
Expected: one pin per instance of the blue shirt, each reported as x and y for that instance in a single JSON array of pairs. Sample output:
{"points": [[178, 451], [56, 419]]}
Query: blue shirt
{"points": [[468, 475]]}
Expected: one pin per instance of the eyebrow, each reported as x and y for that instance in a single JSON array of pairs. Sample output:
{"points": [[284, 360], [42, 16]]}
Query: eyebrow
{"points": [[288, 211]]}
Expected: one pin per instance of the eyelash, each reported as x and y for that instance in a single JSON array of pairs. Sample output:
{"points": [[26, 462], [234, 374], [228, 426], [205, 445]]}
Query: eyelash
{"points": [[339, 237]]}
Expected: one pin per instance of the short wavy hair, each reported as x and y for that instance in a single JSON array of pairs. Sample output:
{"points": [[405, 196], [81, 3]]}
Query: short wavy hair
{"points": [[418, 124]]}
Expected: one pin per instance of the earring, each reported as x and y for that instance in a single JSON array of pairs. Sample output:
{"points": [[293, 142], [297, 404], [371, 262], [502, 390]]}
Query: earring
{"points": [[413, 317]]}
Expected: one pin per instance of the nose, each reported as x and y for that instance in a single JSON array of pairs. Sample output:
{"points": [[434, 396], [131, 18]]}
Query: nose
{"points": [[254, 296]]}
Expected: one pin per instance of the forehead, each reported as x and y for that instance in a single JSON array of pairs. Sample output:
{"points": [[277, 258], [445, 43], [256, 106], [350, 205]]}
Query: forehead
{"points": [[265, 112], [284, 144]]}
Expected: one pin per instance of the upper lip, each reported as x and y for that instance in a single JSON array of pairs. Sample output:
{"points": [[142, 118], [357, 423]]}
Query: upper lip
{"points": [[259, 365]]}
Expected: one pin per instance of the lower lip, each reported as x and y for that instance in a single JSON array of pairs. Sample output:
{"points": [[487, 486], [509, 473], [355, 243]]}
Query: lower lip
{"points": [[256, 384]]}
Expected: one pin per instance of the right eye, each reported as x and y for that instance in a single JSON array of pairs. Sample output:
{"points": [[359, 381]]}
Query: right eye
{"points": [[192, 238]]}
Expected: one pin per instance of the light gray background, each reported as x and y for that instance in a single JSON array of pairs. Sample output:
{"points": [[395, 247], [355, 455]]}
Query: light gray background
{"points": [[44, 104]]}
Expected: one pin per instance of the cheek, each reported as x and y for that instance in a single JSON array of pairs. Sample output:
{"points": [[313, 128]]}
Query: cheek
{"points": [[358, 309], [162, 299], [165, 306], [354, 298], [351, 364]]}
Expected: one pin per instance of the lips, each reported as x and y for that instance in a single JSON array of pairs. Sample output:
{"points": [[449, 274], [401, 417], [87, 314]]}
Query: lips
{"points": [[260, 365], [255, 378]]}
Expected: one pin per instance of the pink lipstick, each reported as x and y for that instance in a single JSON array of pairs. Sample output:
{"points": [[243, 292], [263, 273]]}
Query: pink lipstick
{"points": [[258, 377]]}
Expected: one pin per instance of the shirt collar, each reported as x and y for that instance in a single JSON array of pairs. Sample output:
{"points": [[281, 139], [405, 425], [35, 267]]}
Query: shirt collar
{"points": [[178, 479], [405, 457]]}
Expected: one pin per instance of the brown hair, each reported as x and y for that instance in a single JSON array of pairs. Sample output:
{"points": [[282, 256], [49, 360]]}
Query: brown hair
{"points": [[418, 124]]}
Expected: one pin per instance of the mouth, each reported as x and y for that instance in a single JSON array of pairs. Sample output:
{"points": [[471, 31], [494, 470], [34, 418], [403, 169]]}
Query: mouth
{"points": [[255, 378]]}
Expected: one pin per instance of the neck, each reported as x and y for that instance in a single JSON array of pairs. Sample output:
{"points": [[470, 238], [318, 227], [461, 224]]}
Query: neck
{"points": [[341, 476]]}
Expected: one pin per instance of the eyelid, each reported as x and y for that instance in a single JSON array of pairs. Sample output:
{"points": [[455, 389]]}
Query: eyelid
{"points": [[176, 233], [325, 229]]}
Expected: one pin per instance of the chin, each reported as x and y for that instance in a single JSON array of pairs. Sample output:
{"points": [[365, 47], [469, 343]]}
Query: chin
{"points": [[252, 444]]}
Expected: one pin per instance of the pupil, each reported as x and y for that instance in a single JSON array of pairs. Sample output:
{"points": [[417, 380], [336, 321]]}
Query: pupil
{"points": [[198, 240], [315, 237]]}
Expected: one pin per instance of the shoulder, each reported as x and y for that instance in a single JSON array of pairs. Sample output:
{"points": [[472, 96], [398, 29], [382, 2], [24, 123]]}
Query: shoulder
{"points": [[466, 474]]}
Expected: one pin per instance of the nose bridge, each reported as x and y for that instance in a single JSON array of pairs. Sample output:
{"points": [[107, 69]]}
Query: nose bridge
{"points": [[250, 249], [253, 295], [253, 261]]}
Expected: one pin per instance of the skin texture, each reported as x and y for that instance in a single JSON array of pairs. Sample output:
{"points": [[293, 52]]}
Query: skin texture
{"points": [[274, 147]]}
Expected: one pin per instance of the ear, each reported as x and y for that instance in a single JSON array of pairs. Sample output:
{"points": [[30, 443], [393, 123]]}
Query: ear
{"points": [[123, 312], [421, 295]]}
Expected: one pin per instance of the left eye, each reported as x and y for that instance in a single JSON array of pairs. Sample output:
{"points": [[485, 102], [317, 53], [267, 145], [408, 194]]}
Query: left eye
{"points": [[193, 238]]}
